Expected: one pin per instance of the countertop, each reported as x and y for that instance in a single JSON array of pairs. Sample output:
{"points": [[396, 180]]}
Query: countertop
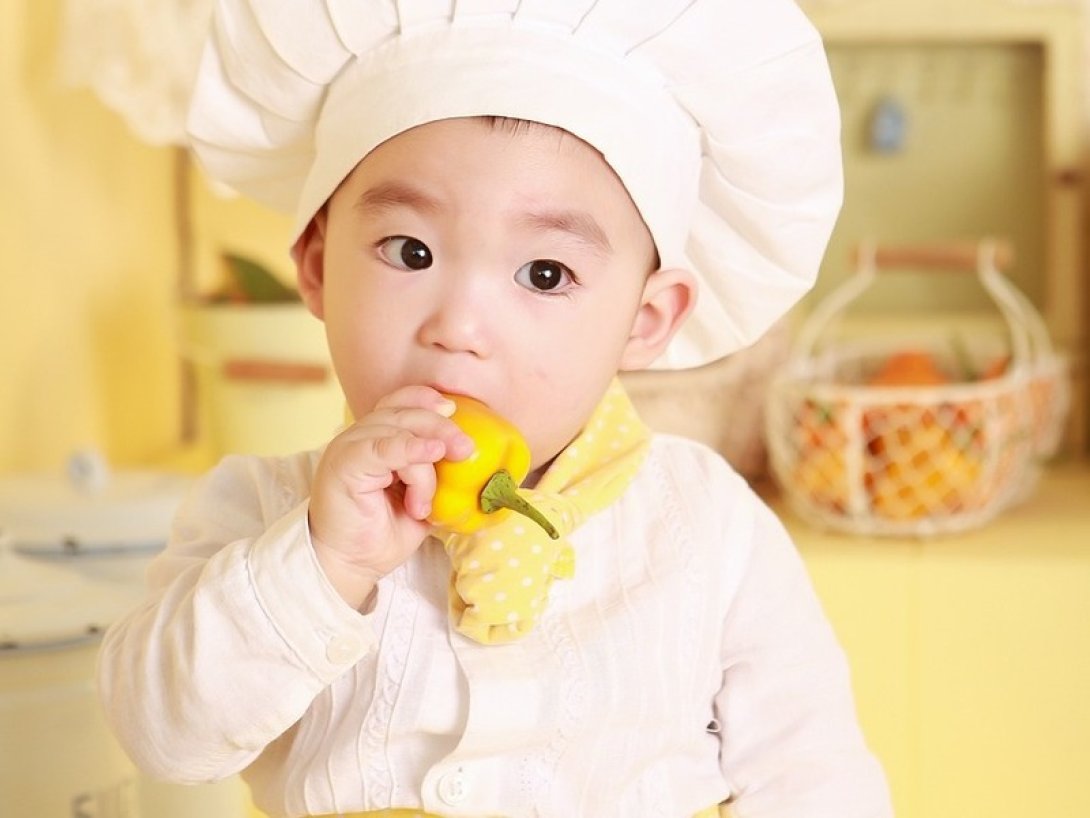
{"points": [[970, 653]]}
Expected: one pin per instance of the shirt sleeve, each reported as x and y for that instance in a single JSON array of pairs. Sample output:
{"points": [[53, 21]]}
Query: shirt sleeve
{"points": [[239, 633], [791, 745]]}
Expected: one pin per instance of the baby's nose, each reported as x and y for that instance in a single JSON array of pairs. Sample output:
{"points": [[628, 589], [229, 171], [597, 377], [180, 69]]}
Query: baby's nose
{"points": [[459, 322]]}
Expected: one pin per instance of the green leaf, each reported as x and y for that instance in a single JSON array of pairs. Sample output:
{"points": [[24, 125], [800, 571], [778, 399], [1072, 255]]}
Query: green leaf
{"points": [[254, 283]]}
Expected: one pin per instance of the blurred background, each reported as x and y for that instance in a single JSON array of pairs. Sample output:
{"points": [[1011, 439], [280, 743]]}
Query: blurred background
{"points": [[149, 327]]}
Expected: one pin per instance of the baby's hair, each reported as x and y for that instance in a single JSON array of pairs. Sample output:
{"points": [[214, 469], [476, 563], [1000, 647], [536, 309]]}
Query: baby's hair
{"points": [[515, 125]]}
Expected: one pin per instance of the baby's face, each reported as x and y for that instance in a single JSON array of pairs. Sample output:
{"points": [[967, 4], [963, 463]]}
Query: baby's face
{"points": [[505, 264]]}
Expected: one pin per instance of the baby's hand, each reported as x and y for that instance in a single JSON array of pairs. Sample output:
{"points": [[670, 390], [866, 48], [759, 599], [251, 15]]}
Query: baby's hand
{"points": [[374, 485]]}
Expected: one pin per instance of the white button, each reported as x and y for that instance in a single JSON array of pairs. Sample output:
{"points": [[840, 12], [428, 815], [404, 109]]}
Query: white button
{"points": [[343, 649], [453, 788]]}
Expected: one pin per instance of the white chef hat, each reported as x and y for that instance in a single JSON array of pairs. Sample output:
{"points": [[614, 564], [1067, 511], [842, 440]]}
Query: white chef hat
{"points": [[719, 117]]}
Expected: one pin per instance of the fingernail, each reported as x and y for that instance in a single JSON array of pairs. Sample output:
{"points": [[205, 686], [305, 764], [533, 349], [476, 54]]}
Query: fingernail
{"points": [[446, 407], [466, 444]]}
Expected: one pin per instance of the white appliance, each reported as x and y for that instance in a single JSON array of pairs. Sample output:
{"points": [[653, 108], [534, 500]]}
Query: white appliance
{"points": [[57, 758], [73, 551]]}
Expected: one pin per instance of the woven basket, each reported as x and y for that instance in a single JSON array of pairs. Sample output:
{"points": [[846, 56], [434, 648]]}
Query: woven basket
{"points": [[915, 436]]}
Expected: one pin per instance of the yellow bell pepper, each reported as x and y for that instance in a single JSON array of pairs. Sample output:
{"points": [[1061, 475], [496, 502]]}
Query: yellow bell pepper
{"points": [[468, 492]]}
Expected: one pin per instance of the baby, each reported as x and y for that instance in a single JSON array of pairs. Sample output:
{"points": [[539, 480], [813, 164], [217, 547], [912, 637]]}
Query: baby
{"points": [[514, 202]]}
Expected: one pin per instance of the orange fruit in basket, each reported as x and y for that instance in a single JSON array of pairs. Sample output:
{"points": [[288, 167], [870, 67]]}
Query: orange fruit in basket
{"points": [[997, 368], [906, 368], [820, 476], [909, 368], [819, 443], [817, 426], [924, 457], [963, 419], [924, 473]]}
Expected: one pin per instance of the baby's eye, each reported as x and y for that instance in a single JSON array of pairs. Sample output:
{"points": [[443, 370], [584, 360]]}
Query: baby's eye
{"points": [[406, 252], [543, 275]]}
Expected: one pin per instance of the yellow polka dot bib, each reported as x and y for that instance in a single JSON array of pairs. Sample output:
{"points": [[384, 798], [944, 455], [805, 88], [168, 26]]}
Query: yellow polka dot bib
{"points": [[501, 574]]}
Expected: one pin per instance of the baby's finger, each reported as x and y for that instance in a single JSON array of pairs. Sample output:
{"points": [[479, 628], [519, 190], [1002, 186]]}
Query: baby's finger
{"points": [[394, 449], [425, 423], [419, 482]]}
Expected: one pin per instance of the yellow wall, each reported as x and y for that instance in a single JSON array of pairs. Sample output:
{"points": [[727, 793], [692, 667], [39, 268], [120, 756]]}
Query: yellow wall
{"points": [[222, 221], [88, 316], [970, 164], [86, 290]]}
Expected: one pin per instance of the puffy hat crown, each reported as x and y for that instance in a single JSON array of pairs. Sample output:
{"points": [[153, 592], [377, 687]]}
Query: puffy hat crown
{"points": [[719, 117]]}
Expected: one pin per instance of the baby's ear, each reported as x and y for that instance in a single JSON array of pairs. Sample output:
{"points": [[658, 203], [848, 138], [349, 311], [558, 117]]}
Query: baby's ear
{"points": [[308, 253], [668, 298]]}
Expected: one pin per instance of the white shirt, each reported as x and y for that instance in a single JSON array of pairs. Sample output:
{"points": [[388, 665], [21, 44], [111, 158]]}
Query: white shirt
{"points": [[687, 661]]}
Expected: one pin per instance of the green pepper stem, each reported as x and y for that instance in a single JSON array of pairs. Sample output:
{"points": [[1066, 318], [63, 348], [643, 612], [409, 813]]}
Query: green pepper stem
{"points": [[501, 492]]}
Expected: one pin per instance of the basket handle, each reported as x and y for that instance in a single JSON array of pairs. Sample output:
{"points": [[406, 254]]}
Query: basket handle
{"points": [[984, 258], [950, 256]]}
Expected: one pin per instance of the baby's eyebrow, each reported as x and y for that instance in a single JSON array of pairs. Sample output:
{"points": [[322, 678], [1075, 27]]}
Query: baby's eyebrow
{"points": [[582, 226], [576, 223], [389, 195]]}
